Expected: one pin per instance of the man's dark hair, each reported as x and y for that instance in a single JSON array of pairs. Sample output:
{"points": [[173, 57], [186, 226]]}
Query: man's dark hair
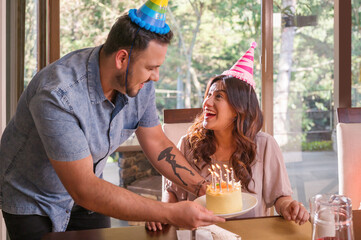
{"points": [[122, 35]]}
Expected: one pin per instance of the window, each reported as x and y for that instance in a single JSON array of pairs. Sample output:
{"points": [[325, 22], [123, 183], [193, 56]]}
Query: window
{"points": [[31, 34], [356, 53], [303, 94]]}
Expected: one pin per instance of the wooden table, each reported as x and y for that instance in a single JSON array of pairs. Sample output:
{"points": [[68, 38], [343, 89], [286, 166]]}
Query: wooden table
{"points": [[270, 228]]}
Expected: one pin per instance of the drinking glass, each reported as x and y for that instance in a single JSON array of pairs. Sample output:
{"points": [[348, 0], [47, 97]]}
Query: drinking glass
{"points": [[331, 216], [313, 201]]}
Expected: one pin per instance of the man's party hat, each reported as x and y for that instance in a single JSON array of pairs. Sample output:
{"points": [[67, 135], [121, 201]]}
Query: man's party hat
{"points": [[151, 16], [243, 69]]}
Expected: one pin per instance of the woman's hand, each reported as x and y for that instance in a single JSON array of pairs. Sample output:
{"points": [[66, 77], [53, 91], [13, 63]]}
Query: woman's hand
{"points": [[154, 226], [292, 210]]}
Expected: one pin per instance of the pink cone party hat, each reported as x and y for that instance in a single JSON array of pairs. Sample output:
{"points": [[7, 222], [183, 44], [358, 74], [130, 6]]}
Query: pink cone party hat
{"points": [[151, 16], [243, 69]]}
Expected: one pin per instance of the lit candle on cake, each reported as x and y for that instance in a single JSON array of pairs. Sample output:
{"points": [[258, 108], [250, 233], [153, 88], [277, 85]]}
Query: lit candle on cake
{"points": [[232, 177], [227, 179], [220, 182], [220, 172], [225, 167], [213, 179], [227, 175]]}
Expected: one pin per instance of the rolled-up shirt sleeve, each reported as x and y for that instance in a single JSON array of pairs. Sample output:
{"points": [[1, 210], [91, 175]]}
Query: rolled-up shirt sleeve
{"points": [[150, 116]]}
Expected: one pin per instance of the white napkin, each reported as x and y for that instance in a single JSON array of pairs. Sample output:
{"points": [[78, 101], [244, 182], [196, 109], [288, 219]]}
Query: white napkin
{"points": [[219, 233], [184, 234], [203, 234], [211, 232]]}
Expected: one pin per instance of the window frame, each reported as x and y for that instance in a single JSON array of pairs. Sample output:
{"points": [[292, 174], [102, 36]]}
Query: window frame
{"points": [[342, 53]]}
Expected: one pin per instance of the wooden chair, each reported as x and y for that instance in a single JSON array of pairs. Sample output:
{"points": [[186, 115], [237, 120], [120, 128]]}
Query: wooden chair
{"points": [[349, 115], [177, 122], [349, 153]]}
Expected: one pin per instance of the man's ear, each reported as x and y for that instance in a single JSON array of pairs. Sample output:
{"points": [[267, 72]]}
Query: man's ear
{"points": [[121, 59]]}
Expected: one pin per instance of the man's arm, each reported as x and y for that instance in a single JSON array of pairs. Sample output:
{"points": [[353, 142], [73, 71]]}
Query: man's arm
{"points": [[168, 160], [103, 197]]}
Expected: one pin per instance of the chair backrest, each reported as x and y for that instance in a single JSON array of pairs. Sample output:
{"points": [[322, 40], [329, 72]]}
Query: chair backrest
{"points": [[349, 115], [349, 153], [177, 122]]}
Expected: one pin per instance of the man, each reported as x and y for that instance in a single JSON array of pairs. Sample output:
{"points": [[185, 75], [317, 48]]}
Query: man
{"points": [[72, 116]]}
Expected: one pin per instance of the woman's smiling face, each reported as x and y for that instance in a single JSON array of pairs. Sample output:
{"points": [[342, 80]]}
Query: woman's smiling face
{"points": [[219, 115]]}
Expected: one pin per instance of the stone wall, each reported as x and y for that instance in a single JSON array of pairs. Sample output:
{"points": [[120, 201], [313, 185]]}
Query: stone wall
{"points": [[138, 175], [134, 166]]}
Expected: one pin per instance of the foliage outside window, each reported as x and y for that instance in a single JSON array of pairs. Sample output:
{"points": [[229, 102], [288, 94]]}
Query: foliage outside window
{"points": [[210, 36], [356, 53], [303, 73], [30, 54]]}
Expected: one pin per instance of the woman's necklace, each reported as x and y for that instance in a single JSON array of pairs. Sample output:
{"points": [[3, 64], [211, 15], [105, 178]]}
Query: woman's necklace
{"points": [[223, 156]]}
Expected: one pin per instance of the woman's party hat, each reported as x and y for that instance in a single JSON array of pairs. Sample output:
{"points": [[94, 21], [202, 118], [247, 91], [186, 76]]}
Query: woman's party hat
{"points": [[151, 16], [243, 69]]}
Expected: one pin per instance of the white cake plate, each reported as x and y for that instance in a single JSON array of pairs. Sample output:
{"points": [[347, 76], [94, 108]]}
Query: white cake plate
{"points": [[249, 202]]}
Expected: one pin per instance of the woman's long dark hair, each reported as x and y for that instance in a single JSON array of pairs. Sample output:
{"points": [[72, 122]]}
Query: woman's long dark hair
{"points": [[248, 123]]}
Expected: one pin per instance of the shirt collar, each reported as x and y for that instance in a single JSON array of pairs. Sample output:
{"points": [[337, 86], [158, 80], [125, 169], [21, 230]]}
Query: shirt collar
{"points": [[95, 89], [120, 101]]}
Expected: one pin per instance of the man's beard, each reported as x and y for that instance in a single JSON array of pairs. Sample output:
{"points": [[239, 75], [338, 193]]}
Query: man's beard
{"points": [[121, 80]]}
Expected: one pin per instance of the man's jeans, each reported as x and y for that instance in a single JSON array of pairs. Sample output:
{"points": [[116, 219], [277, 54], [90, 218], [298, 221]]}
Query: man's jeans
{"points": [[34, 227]]}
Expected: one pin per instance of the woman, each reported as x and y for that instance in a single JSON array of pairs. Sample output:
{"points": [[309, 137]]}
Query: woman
{"points": [[228, 132]]}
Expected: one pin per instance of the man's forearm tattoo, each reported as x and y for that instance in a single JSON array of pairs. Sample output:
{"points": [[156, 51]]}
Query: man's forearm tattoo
{"points": [[169, 157]]}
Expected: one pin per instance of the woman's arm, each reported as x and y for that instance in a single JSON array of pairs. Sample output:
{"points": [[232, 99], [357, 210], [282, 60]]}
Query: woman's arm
{"points": [[277, 189]]}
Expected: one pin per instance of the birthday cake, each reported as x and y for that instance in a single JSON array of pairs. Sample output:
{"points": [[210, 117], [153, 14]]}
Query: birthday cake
{"points": [[221, 200]]}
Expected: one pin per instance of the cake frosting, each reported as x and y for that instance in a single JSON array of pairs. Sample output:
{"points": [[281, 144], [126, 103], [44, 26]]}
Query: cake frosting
{"points": [[224, 202]]}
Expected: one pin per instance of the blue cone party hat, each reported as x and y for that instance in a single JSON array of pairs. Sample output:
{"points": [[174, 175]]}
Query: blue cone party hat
{"points": [[151, 16]]}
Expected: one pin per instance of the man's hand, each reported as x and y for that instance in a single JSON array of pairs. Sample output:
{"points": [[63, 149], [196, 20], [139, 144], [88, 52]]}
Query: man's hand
{"points": [[187, 214], [190, 215]]}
